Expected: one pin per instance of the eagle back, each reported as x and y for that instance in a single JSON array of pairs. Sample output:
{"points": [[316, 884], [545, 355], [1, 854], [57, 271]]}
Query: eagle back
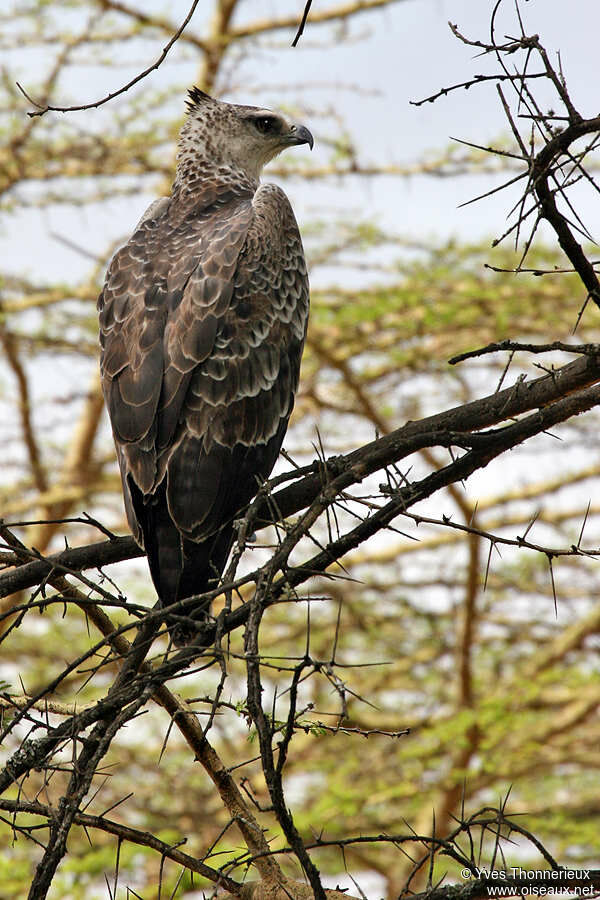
{"points": [[203, 317]]}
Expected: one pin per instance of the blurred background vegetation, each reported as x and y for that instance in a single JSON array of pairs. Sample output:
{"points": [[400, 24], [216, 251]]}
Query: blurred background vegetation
{"points": [[463, 643]]}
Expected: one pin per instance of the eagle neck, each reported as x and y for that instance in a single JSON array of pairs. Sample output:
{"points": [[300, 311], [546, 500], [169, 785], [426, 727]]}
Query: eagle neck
{"points": [[197, 177]]}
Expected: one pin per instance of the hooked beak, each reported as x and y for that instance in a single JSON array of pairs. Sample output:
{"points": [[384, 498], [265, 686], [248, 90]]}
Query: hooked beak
{"points": [[300, 135]]}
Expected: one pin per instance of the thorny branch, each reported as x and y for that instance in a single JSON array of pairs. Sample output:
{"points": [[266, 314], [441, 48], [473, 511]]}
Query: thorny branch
{"points": [[129, 692], [436, 430], [43, 108], [126, 833], [463, 844], [475, 434], [272, 772], [552, 168]]}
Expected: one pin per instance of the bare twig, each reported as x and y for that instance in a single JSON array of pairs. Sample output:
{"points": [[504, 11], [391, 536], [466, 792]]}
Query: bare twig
{"points": [[300, 31], [44, 108]]}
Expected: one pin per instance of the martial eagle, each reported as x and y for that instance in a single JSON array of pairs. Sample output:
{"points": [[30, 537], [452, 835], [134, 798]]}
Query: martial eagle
{"points": [[203, 316]]}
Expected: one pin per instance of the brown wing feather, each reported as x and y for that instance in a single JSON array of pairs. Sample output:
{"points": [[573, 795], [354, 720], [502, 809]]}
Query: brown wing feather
{"points": [[241, 396], [158, 320], [203, 317]]}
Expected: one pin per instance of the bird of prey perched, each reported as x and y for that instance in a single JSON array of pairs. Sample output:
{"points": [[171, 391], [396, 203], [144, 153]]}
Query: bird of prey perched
{"points": [[203, 316]]}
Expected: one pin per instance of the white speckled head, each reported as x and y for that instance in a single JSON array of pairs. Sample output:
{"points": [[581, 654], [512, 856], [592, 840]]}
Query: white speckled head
{"points": [[218, 135]]}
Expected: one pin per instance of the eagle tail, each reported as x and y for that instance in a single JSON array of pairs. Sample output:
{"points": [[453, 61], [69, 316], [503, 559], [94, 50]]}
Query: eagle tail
{"points": [[179, 567]]}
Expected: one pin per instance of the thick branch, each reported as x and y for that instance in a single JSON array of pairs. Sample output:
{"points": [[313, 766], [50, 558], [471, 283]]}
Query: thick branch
{"points": [[414, 436], [541, 171], [133, 835], [33, 753]]}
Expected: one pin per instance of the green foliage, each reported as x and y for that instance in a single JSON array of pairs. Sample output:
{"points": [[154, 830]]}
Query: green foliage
{"points": [[513, 703]]}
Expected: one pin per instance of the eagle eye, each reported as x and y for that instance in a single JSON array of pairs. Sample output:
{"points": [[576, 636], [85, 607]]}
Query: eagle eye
{"points": [[267, 124]]}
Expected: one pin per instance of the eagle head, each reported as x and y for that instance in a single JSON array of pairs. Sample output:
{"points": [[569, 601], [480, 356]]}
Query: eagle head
{"points": [[242, 138]]}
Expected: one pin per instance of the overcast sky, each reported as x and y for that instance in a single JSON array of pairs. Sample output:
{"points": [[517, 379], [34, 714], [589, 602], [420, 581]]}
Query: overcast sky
{"points": [[401, 53]]}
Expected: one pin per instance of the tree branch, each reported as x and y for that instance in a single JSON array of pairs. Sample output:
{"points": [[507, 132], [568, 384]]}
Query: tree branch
{"points": [[428, 432], [133, 835], [44, 108]]}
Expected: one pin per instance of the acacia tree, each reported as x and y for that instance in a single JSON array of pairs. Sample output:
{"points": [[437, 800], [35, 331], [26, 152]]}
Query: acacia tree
{"points": [[493, 693]]}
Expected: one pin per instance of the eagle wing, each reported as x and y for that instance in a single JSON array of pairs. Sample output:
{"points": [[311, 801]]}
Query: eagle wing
{"points": [[202, 318]]}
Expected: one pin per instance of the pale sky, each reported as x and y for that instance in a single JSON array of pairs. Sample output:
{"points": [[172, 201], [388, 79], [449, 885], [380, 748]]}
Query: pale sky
{"points": [[404, 52]]}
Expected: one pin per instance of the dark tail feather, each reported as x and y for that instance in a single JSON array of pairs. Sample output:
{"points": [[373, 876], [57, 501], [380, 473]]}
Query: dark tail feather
{"points": [[203, 563], [162, 541], [179, 568]]}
